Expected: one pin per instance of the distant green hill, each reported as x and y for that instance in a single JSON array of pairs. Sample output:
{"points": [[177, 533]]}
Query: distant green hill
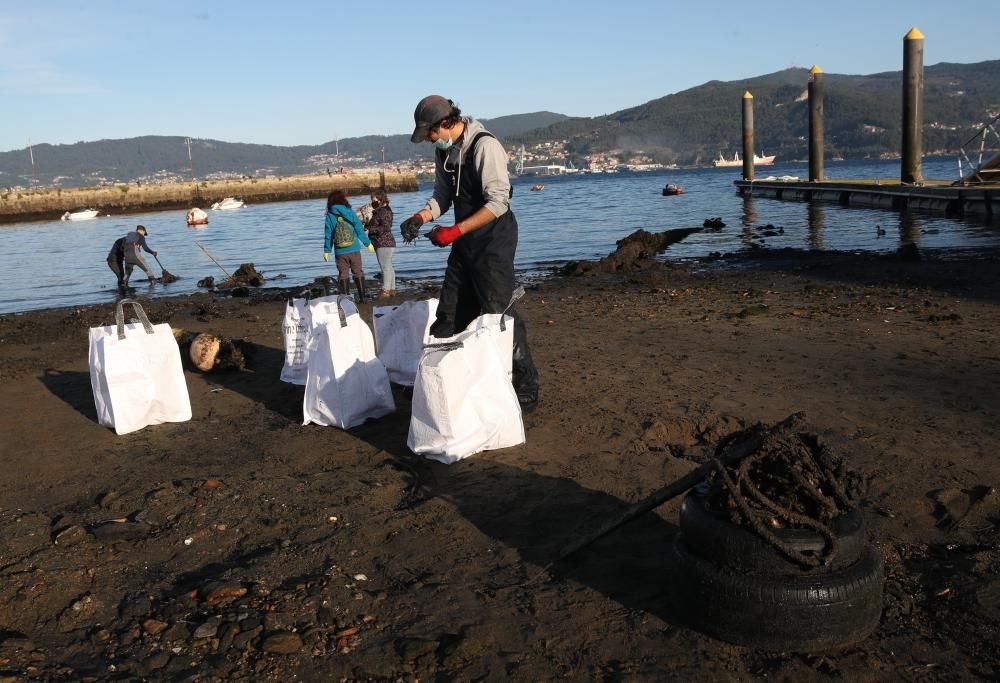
{"points": [[90, 163], [861, 116], [518, 124], [862, 119]]}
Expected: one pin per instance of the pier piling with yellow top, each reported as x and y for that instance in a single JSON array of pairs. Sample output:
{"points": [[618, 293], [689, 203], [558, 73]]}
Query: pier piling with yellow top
{"points": [[913, 107], [747, 136], [815, 90]]}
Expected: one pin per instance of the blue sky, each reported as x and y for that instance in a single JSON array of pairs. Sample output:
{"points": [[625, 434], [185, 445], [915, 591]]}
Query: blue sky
{"points": [[308, 72]]}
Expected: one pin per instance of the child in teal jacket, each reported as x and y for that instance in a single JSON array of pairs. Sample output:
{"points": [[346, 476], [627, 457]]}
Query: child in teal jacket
{"points": [[347, 255]]}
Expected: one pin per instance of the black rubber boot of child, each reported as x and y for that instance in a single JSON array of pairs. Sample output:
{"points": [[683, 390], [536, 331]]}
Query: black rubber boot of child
{"points": [[359, 285], [343, 286]]}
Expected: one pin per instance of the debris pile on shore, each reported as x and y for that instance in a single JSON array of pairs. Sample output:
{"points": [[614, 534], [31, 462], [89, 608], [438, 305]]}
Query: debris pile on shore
{"points": [[245, 276], [636, 252], [209, 351], [793, 551], [791, 477]]}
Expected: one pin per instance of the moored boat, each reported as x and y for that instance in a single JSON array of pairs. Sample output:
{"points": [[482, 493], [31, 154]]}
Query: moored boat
{"points": [[228, 204], [79, 215]]}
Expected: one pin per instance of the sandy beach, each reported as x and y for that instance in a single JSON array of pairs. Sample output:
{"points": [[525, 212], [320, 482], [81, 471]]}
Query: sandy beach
{"points": [[244, 546]]}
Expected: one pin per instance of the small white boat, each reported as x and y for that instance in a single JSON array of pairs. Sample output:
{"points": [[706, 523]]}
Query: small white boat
{"points": [[228, 204], [79, 215], [197, 217]]}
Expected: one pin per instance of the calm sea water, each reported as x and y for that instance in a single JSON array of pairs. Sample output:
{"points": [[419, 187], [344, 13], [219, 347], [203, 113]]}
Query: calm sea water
{"points": [[55, 264]]}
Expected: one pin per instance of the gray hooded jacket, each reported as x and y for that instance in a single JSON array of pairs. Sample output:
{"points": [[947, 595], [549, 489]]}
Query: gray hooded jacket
{"points": [[491, 161]]}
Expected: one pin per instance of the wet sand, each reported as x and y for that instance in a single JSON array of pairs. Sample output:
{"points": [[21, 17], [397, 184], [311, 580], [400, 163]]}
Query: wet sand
{"points": [[253, 547]]}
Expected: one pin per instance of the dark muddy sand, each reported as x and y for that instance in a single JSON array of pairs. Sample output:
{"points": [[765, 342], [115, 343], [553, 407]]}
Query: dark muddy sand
{"points": [[242, 545]]}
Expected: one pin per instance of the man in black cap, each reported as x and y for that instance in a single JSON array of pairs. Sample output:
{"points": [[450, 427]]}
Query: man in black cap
{"points": [[471, 175]]}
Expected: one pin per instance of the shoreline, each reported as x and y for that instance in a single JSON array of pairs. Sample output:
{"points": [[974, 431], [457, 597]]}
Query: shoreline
{"points": [[242, 523], [573, 270], [41, 205]]}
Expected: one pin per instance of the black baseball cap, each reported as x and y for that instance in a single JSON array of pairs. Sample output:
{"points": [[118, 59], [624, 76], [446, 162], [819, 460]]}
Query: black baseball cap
{"points": [[430, 111]]}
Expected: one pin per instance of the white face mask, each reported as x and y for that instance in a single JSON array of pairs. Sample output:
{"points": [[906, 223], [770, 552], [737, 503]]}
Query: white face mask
{"points": [[444, 144]]}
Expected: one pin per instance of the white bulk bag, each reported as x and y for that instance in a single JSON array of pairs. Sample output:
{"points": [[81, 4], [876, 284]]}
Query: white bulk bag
{"points": [[463, 401], [136, 373], [345, 383], [400, 334], [295, 335]]}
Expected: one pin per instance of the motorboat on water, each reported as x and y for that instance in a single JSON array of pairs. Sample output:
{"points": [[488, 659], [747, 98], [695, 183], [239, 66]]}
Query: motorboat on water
{"points": [[197, 217], [723, 162], [79, 215], [228, 204]]}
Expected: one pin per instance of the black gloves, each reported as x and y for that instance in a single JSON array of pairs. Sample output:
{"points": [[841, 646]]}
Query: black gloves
{"points": [[410, 228]]}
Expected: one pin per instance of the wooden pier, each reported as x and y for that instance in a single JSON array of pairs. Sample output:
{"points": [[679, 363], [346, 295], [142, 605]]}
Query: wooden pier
{"points": [[938, 196], [977, 194]]}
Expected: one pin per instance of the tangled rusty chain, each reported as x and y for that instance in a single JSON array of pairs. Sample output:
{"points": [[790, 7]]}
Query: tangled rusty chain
{"points": [[791, 480]]}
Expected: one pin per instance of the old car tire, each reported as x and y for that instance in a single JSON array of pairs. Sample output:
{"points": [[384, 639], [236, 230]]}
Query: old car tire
{"points": [[712, 536], [805, 613]]}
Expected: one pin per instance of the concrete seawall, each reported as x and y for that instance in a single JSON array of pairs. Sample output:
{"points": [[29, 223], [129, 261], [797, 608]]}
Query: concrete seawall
{"points": [[27, 205]]}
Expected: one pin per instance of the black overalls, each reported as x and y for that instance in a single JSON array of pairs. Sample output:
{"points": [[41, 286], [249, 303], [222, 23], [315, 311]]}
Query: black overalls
{"points": [[116, 261], [480, 274]]}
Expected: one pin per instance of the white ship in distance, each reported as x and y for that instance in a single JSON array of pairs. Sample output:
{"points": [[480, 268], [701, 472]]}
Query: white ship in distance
{"points": [[723, 162]]}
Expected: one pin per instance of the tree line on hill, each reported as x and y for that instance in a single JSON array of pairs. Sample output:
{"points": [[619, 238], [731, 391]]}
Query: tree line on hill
{"points": [[125, 160], [862, 118]]}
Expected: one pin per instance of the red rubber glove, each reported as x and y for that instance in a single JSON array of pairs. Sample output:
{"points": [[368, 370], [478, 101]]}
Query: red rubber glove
{"points": [[442, 236], [155, 254]]}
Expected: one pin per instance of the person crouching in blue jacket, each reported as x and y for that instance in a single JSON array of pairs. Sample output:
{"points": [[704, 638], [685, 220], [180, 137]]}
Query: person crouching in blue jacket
{"points": [[345, 236]]}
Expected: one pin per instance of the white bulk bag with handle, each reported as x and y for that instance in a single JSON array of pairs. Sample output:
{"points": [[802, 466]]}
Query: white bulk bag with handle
{"points": [[136, 373], [400, 334], [346, 383], [463, 401]]}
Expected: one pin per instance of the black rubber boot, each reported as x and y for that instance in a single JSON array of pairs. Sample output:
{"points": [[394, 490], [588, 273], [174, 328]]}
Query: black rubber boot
{"points": [[343, 286], [525, 374], [359, 285]]}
